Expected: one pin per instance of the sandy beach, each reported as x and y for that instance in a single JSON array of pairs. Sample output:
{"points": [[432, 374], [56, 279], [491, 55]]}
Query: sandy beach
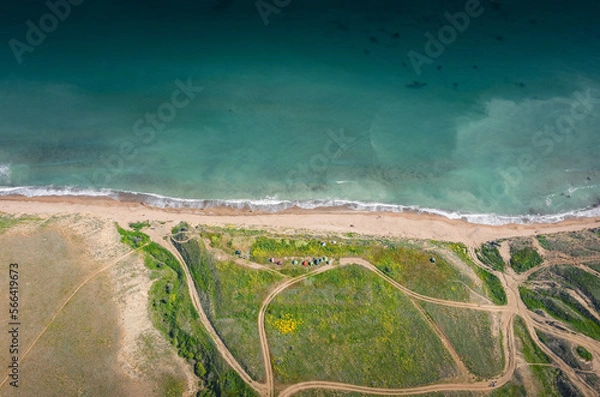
{"points": [[381, 224]]}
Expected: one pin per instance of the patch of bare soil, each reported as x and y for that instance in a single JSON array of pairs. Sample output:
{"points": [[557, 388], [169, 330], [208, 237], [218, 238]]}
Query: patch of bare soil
{"points": [[85, 326], [144, 354]]}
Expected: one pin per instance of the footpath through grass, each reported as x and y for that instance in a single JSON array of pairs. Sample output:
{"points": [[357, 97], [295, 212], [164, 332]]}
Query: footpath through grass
{"points": [[231, 296], [530, 349], [348, 325], [174, 315], [471, 334], [493, 287]]}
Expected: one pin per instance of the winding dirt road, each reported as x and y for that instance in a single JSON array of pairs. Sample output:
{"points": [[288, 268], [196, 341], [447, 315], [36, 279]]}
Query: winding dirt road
{"points": [[225, 353], [514, 306]]}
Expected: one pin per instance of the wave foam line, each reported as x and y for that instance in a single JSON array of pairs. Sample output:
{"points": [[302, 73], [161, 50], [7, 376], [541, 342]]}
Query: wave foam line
{"points": [[277, 205]]}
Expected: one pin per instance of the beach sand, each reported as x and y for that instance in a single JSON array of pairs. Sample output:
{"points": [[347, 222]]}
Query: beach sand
{"points": [[379, 224]]}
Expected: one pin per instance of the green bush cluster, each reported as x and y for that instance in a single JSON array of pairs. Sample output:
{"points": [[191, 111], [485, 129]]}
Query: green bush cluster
{"points": [[134, 239], [524, 259], [489, 254], [494, 286], [137, 226], [584, 353]]}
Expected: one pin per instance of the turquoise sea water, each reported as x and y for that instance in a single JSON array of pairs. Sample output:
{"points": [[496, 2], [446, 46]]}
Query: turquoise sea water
{"points": [[321, 106]]}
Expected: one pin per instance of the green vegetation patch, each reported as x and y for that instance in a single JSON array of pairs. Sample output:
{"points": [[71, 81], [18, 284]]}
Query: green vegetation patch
{"points": [[580, 280], [8, 221], [544, 243], [530, 349], [512, 388], [412, 267], [348, 325], [138, 226], [594, 266], [580, 243], [551, 381], [471, 333], [523, 259], [134, 239], [561, 348], [231, 296], [488, 253], [584, 353], [267, 247], [494, 287], [173, 314], [560, 305]]}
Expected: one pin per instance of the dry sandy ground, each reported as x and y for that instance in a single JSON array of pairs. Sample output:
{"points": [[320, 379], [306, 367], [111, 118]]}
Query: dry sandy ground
{"points": [[98, 341], [402, 225]]}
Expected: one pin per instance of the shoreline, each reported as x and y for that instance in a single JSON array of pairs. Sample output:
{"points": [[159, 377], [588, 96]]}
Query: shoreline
{"points": [[407, 225], [275, 205]]}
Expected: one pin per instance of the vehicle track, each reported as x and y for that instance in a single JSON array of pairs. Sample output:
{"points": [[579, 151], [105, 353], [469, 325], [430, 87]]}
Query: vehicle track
{"points": [[66, 302], [221, 347], [514, 306]]}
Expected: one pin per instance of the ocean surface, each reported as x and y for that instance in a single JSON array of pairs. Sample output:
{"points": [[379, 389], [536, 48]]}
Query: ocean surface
{"points": [[485, 110]]}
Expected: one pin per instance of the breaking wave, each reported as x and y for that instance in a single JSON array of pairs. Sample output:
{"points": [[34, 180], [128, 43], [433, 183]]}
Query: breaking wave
{"points": [[276, 205]]}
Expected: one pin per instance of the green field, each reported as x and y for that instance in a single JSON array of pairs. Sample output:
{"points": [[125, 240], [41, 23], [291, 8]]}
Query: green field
{"points": [[232, 296], [479, 348], [407, 264], [412, 267], [349, 325]]}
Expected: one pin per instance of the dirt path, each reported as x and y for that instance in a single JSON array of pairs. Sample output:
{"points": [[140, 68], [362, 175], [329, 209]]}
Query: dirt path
{"points": [[510, 280], [66, 302], [361, 262], [508, 372], [223, 350], [261, 321], [463, 305]]}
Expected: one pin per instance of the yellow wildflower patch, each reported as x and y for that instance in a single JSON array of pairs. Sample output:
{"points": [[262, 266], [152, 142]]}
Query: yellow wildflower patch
{"points": [[287, 324]]}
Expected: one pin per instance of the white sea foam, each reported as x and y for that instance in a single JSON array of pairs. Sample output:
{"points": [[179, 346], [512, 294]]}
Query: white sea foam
{"points": [[5, 173], [277, 205]]}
